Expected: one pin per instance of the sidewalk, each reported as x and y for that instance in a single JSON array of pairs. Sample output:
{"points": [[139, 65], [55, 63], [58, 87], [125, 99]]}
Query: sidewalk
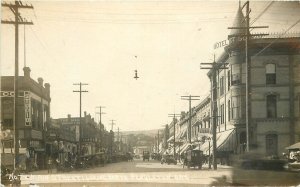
{"points": [[43, 172]]}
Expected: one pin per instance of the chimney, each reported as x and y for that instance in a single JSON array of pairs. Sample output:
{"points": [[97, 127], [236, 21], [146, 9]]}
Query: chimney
{"points": [[26, 72], [47, 87], [69, 117], [40, 81]]}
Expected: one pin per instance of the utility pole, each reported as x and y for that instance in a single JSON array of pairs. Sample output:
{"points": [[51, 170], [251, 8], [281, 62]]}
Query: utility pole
{"points": [[18, 21], [248, 64], [118, 139], [112, 124], [158, 141], [100, 123], [214, 68], [174, 119], [80, 123], [112, 138], [190, 98]]}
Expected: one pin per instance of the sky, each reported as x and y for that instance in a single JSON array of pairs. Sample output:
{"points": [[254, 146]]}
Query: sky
{"points": [[102, 42]]}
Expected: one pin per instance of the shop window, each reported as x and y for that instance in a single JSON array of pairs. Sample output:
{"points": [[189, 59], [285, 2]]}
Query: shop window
{"points": [[243, 142], [271, 144], [271, 106], [270, 74]]}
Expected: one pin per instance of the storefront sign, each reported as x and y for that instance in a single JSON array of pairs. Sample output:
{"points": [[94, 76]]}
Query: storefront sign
{"points": [[27, 107]]}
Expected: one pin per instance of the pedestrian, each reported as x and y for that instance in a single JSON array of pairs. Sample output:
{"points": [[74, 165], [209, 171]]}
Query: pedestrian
{"points": [[50, 165]]}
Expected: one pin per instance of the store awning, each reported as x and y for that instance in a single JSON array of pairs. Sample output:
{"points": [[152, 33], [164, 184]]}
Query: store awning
{"points": [[184, 147], [171, 139], [183, 131], [197, 123], [294, 146], [225, 142]]}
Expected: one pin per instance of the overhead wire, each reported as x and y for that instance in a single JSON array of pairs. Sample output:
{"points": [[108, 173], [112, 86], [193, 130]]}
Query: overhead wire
{"points": [[298, 21]]}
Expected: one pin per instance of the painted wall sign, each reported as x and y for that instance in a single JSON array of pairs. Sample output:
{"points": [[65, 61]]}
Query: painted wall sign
{"points": [[27, 107]]}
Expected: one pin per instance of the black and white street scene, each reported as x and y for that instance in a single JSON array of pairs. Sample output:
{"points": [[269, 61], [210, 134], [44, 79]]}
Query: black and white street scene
{"points": [[140, 93]]}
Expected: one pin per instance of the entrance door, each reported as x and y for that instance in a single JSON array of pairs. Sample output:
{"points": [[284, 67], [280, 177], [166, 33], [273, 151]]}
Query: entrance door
{"points": [[271, 144]]}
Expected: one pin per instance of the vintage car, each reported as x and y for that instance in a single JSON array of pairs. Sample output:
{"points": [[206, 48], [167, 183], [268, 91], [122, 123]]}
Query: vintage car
{"points": [[293, 157], [146, 155], [193, 158], [168, 159], [253, 169]]}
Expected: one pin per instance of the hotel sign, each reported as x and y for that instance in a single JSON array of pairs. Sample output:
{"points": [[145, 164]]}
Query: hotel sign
{"points": [[27, 107], [234, 39]]}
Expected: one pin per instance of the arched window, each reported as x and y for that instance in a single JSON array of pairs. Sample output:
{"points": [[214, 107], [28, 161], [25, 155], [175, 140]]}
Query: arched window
{"points": [[271, 144], [270, 74], [271, 106]]}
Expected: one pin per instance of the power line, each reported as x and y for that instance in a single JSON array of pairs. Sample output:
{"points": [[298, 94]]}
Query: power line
{"points": [[80, 125], [214, 67], [18, 20], [268, 6], [276, 38]]}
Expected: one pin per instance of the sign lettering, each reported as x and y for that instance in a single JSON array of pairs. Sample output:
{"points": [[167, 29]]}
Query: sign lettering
{"points": [[27, 107]]}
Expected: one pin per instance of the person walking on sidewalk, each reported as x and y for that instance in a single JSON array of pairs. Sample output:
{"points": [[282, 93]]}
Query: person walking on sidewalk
{"points": [[50, 165]]}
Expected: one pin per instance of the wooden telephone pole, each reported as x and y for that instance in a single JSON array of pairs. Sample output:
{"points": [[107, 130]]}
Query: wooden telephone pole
{"points": [[215, 68], [190, 98], [100, 124], [18, 21], [248, 63], [80, 105], [174, 120]]}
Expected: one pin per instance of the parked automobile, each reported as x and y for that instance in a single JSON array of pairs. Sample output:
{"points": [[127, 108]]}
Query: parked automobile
{"points": [[293, 157], [146, 155], [253, 169], [193, 158], [168, 159]]}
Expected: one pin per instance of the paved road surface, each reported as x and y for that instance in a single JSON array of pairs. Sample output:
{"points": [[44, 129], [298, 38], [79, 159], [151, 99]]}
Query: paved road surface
{"points": [[136, 173]]}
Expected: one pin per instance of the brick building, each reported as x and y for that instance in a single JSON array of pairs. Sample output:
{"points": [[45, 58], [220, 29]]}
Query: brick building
{"points": [[32, 121]]}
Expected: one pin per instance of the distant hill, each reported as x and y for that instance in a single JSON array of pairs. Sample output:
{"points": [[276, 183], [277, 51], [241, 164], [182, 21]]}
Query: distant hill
{"points": [[151, 133]]}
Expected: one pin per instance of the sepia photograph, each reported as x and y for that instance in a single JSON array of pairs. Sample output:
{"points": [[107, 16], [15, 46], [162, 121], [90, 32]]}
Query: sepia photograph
{"points": [[149, 93]]}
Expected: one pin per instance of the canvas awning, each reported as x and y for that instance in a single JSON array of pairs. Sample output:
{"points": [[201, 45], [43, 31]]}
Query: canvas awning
{"points": [[225, 142], [184, 147], [294, 146], [171, 139], [183, 131]]}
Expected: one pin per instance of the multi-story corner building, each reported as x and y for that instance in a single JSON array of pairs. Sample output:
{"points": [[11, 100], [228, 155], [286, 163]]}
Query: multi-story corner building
{"points": [[273, 97], [274, 92], [32, 121]]}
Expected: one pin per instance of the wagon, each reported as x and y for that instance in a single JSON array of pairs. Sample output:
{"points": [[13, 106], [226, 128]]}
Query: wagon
{"points": [[193, 158]]}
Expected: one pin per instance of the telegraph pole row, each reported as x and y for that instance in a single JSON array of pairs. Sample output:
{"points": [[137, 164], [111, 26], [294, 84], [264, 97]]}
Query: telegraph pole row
{"points": [[248, 63], [111, 138], [214, 68], [174, 119], [112, 124], [80, 104], [18, 21], [190, 98], [100, 123]]}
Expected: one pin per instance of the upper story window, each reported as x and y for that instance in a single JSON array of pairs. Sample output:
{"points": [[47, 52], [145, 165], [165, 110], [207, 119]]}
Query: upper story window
{"points": [[271, 106], [221, 86], [228, 79], [270, 74]]}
